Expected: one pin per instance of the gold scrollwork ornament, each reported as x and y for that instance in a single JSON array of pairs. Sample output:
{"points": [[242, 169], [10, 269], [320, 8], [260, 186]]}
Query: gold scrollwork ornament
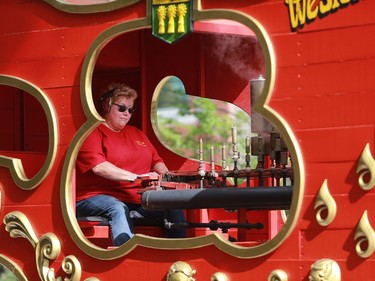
{"points": [[366, 166], [325, 269], [219, 276], [365, 233], [180, 271], [325, 202], [47, 248], [278, 275]]}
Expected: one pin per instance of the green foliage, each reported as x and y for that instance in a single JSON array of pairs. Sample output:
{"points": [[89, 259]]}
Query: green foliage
{"points": [[213, 123], [6, 274]]}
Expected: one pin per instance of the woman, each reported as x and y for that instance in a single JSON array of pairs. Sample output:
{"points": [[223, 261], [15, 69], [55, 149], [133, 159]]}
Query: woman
{"points": [[109, 164]]}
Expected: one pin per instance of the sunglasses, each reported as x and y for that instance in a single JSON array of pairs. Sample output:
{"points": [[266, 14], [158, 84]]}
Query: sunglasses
{"points": [[123, 108]]}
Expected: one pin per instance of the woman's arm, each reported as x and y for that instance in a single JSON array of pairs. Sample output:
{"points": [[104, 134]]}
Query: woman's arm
{"points": [[160, 168], [109, 171]]}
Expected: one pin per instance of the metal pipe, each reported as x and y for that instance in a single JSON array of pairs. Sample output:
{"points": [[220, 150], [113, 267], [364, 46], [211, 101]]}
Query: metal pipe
{"points": [[188, 176], [256, 198], [213, 225]]}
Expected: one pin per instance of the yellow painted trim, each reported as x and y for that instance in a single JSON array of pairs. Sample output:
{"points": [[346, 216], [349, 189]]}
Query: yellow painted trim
{"points": [[98, 7], [14, 164]]}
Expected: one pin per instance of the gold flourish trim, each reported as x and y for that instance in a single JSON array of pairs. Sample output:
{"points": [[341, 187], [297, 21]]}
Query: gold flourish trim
{"points": [[15, 165], [278, 275], [18, 225], [365, 233], [219, 276], [324, 201], [366, 165], [180, 271], [325, 269], [47, 249]]}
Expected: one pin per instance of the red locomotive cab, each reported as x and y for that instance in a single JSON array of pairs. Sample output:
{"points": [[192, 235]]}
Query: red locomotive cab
{"points": [[119, 56], [284, 195]]}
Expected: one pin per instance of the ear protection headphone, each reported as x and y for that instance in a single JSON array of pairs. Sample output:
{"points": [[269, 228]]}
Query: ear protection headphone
{"points": [[108, 95]]}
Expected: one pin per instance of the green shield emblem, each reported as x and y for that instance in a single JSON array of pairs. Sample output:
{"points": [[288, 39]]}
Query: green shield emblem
{"points": [[171, 20]]}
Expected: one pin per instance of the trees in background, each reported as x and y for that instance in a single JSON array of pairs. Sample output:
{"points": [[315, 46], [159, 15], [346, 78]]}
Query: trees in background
{"points": [[199, 118]]}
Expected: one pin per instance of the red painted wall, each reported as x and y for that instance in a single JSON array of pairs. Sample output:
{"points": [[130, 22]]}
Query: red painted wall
{"points": [[324, 89]]}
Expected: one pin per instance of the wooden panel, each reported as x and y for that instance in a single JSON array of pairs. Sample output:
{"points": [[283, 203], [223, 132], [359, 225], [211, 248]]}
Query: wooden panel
{"points": [[344, 182], [39, 15], [349, 208], [185, 56], [58, 72], [120, 53], [35, 126], [10, 115], [334, 144]]}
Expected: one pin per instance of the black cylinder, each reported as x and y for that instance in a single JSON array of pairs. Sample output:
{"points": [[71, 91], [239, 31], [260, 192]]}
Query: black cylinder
{"points": [[256, 198]]}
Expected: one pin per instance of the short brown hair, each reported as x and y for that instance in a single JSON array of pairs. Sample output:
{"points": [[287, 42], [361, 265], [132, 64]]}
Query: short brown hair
{"points": [[112, 93]]}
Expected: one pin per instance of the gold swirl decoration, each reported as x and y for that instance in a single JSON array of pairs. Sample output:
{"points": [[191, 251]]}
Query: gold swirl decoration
{"points": [[325, 202], [17, 224], [180, 271], [325, 269], [278, 275], [47, 248], [366, 166], [219, 276], [365, 233]]}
